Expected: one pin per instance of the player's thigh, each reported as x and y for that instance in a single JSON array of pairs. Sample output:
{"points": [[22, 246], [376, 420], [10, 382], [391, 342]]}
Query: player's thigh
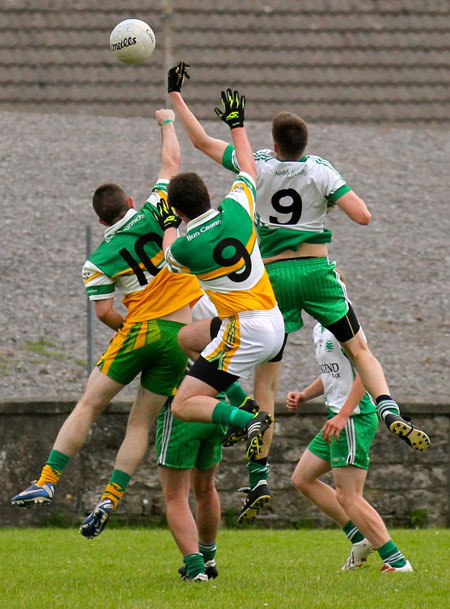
{"points": [[175, 483], [163, 363], [100, 389], [350, 480], [356, 345], [146, 407], [267, 379], [195, 336], [310, 467]]}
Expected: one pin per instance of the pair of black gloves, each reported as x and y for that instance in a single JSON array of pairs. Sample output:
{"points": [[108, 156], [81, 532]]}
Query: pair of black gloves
{"points": [[233, 104], [232, 114]]}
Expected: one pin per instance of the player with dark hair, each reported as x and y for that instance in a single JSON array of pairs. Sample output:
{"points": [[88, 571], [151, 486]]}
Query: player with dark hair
{"points": [[221, 250], [158, 305], [343, 447], [294, 193]]}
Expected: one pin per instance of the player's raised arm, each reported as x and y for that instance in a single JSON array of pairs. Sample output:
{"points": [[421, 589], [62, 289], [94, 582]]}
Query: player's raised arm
{"points": [[210, 146], [232, 113], [170, 147]]}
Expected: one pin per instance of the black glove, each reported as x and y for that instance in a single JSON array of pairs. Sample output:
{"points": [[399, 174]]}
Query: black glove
{"points": [[233, 109], [165, 216], [175, 76]]}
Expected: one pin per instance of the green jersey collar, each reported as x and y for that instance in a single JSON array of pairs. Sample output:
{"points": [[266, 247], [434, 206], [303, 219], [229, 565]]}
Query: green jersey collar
{"points": [[207, 215], [115, 227]]}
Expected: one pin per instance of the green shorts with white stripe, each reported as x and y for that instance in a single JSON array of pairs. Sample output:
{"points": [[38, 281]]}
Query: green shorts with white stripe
{"points": [[186, 444], [353, 446], [311, 285]]}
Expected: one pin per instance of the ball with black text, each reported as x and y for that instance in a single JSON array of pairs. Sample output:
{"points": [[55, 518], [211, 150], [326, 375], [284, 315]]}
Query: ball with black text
{"points": [[132, 41]]}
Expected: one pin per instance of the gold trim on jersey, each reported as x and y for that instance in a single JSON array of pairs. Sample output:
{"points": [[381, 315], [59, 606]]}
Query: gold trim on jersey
{"points": [[91, 277], [248, 193], [260, 297]]}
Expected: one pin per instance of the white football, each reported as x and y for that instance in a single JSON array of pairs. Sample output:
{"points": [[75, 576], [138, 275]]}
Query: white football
{"points": [[132, 41]]}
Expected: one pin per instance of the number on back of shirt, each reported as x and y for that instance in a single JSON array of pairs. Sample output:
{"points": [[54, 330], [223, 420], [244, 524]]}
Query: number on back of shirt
{"points": [[236, 251], [286, 201], [142, 256]]}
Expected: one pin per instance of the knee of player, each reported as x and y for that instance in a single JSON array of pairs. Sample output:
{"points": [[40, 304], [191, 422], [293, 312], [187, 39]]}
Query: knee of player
{"points": [[345, 497], [299, 482], [177, 409], [205, 491]]}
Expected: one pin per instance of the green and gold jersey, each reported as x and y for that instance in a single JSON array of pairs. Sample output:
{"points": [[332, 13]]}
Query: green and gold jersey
{"points": [[220, 248], [293, 198], [130, 259]]}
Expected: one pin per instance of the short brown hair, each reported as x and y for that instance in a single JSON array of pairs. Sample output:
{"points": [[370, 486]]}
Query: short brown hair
{"points": [[109, 201], [290, 133], [188, 193]]}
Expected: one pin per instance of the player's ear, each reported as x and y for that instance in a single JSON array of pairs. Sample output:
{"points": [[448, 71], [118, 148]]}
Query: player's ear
{"points": [[181, 215], [103, 222], [275, 148], [130, 202]]}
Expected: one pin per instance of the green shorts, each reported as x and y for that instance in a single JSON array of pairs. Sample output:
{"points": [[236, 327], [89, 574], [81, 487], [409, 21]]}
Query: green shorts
{"points": [[150, 348], [353, 446], [309, 284], [185, 444]]}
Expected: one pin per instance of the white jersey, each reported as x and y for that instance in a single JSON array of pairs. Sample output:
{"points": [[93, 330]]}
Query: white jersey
{"points": [[337, 372], [292, 199]]}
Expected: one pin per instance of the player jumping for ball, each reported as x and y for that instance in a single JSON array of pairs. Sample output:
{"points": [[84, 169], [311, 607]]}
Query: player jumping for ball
{"points": [[220, 248], [294, 192]]}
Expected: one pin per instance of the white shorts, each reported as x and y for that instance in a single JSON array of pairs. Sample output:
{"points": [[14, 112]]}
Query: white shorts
{"points": [[203, 309], [246, 340]]}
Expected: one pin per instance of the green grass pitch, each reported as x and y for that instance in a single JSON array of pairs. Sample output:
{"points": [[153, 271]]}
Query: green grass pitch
{"points": [[137, 569]]}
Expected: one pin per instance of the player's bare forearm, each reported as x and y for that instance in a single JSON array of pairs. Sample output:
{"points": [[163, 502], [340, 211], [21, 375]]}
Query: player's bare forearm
{"points": [[334, 426], [108, 315], [212, 147], [354, 207], [244, 152], [314, 390], [170, 236], [354, 397], [170, 147]]}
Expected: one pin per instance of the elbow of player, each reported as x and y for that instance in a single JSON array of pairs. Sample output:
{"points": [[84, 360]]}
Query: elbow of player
{"points": [[101, 316], [199, 143], [365, 218]]}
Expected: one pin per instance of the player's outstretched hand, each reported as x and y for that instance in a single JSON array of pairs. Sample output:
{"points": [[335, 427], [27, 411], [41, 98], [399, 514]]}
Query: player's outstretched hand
{"points": [[176, 75], [165, 216], [233, 109]]}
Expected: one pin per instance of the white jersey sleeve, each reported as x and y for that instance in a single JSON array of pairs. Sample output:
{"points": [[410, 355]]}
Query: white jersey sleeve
{"points": [[98, 285]]}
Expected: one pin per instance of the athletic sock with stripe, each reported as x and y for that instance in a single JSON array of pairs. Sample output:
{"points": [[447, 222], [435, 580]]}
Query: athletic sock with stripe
{"points": [[390, 554]]}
